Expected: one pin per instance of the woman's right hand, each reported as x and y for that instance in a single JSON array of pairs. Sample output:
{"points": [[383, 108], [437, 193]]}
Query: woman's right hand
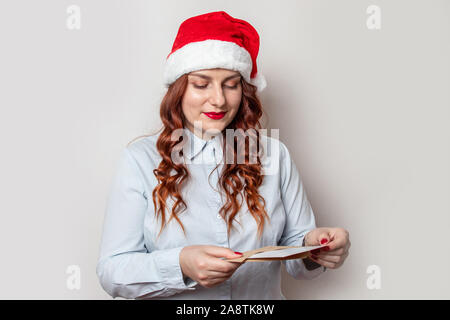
{"points": [[202, 263]]}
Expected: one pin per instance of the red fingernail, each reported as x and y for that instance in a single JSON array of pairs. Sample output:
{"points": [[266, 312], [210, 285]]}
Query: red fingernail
{"points": [[323, 241], [237, 252]]}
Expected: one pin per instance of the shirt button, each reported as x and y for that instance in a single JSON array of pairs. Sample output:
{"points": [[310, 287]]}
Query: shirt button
{"points": [[219, 216]]}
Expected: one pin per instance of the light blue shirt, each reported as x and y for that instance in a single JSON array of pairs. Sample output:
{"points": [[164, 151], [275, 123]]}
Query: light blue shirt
{"points": [[134, 264]]}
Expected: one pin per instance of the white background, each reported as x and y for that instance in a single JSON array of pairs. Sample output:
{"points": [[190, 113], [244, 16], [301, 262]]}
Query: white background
{"points": [[365, 113]]}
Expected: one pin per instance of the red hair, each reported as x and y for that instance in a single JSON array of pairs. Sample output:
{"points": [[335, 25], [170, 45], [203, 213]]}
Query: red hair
{"points": [[248, 116]]}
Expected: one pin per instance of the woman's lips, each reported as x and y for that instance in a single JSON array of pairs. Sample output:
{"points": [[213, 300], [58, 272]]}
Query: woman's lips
{"points": [[215, 115]]}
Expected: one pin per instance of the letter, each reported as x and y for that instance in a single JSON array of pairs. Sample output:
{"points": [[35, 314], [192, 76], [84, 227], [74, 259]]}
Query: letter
{"points": [[207, 311], [374, 280], [74, 19], [175, 154], [74, 280], [373, 22]]}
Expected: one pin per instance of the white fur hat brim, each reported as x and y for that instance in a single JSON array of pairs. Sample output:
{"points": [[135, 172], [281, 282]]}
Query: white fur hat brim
{"points": [[210, 54]]}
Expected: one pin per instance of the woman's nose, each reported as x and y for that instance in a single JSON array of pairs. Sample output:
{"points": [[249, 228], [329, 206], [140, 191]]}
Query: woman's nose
{"points": [[217, 97]]}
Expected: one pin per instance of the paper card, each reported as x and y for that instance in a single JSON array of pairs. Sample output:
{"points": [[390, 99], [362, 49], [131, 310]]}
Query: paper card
{"points": [[271, 253], [282, 253]]}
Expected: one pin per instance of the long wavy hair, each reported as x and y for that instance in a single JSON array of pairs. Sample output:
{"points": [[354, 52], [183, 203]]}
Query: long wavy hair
{"points": [[248, 117]]}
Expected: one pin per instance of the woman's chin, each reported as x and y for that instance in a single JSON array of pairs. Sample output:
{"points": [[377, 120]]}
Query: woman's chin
{"points": [[214, 128]]}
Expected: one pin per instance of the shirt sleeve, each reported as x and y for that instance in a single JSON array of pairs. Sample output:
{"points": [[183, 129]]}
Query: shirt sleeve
{"points": [[299, 215], [125, 267]]}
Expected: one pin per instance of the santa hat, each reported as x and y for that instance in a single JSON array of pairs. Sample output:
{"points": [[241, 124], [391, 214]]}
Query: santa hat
{"points": [[215, 40]]}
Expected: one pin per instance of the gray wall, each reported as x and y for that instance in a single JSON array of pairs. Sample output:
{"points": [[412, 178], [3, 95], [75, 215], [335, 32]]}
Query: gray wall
{"points": [[364, 112]]}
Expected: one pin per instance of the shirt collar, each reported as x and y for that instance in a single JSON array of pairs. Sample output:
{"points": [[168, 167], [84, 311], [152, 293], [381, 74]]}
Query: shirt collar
{"points": [[195, 144]]}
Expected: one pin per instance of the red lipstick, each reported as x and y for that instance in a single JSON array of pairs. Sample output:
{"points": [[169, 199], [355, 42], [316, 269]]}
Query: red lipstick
{"points": [[215, 115]]}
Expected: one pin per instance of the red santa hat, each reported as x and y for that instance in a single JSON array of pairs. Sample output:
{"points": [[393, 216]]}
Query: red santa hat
{"points": [[215, 40]]}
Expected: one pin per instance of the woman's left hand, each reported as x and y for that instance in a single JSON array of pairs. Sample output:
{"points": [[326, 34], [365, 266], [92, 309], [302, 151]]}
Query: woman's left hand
{"points": [[333, 255]]}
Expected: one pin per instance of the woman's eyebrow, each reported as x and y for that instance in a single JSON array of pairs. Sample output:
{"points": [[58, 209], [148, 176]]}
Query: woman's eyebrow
{"points": [[209, 78]]}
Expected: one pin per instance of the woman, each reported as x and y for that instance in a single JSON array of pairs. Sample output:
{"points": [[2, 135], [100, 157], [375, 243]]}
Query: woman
{"points": [[177, 210]]}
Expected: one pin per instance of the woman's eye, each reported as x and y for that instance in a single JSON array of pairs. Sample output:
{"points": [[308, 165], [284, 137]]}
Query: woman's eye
{"points": [[204, 86]]}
